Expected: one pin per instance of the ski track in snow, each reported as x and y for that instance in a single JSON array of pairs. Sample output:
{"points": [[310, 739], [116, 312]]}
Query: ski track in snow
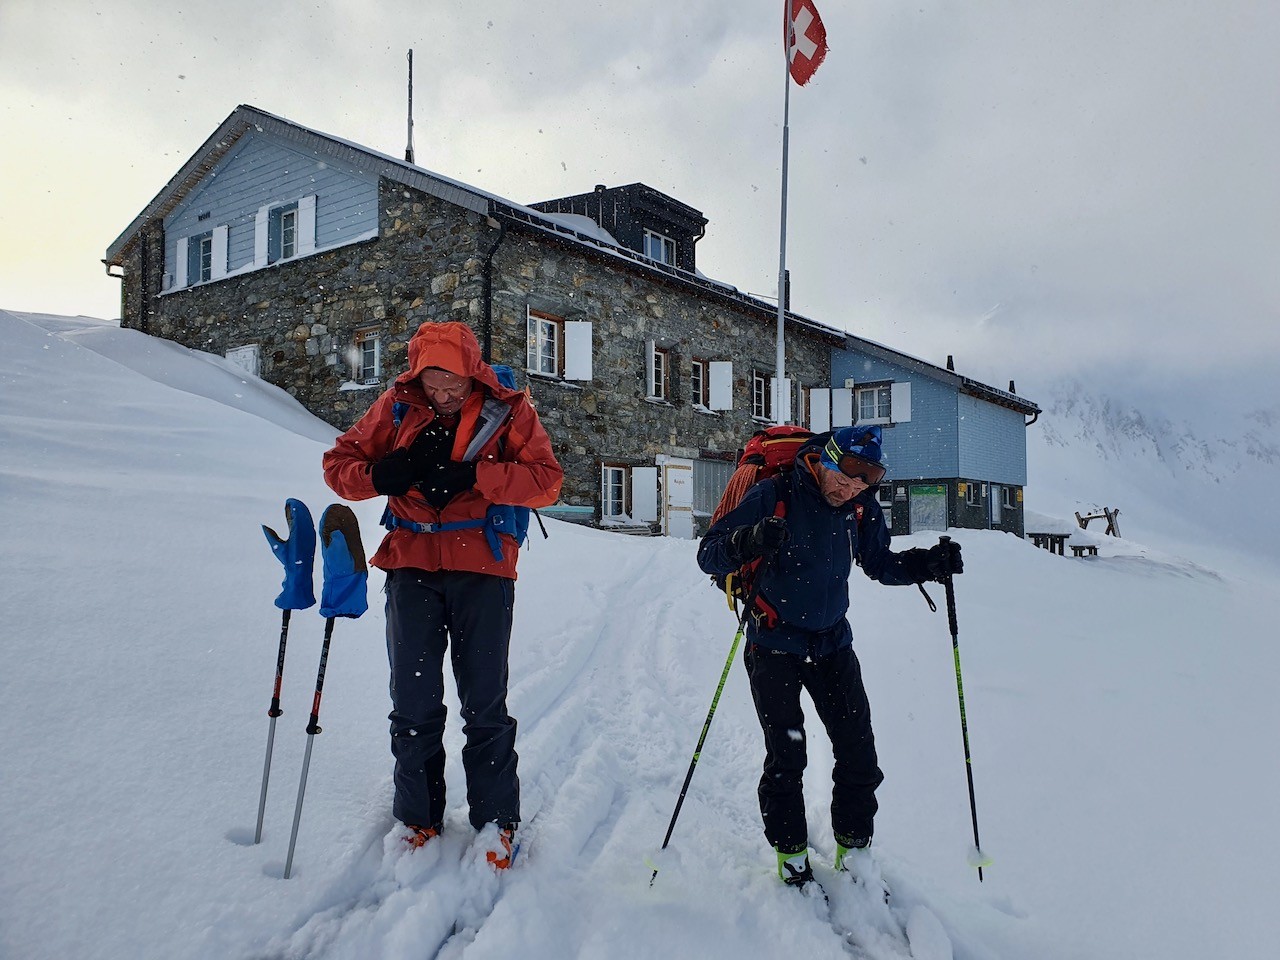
{"points": [[161, 454], [576, 797]]}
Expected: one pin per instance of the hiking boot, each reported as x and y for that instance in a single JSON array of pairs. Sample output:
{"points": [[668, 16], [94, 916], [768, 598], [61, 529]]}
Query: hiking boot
{"points": [[418, 836], [793, 866], [503, 847]]}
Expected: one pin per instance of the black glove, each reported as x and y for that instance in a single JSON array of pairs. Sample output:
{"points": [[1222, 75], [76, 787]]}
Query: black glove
{"points": [[762, 540], [394, 474], [441, 482], [943, 559]]}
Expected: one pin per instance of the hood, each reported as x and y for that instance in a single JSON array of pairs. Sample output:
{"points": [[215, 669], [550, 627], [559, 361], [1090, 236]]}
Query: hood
{"points": [[448, 346]]}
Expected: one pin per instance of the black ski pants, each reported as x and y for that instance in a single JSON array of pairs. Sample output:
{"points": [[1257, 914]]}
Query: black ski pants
{"points": [[470, 615], [834, 683]]}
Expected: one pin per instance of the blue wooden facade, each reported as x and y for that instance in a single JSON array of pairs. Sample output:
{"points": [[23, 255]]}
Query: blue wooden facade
{"points": [[956, 449], [238, 206]]}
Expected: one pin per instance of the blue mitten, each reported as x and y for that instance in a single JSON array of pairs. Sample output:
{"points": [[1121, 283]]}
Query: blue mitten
{"points": [[298, 554], [345, 573]]}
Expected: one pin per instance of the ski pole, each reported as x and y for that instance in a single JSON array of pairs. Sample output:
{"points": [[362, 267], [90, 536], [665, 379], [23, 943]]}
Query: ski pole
{"points": [[715, 700], [273, 712], [344, 595], [313, 728], [297, 554], [964, 725]]}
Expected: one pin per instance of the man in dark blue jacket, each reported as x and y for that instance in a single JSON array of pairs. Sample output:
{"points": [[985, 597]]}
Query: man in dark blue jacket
{"points": [[807, 528]]}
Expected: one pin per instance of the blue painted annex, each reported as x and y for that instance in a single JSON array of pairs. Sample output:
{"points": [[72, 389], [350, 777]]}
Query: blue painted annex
{"points": [[956, 448]]}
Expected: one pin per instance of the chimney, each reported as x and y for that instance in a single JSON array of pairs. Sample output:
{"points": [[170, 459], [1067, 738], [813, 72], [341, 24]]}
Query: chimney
{"points": [[951, 363], [1012, 388]]}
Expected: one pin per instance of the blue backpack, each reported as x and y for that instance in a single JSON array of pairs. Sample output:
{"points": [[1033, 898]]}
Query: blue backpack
{"points": [[500, 518]]}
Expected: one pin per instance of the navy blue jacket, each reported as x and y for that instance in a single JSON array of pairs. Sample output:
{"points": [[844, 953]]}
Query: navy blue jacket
{"points": [[808, 582]]}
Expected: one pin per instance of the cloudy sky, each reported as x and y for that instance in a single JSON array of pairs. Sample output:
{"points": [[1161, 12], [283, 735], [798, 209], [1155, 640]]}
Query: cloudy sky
{"points": [[1018, 184]]}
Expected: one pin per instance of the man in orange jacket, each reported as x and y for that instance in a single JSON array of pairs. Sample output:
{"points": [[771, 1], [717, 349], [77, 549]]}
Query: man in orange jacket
{"points": [[453, 451]]}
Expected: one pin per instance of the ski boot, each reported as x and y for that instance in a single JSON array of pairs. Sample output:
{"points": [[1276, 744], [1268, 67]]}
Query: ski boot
{"points": [[853, 856], [793, 866]]}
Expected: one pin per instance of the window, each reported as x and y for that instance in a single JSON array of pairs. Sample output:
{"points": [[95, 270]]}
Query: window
{"points": [[699, 387], [546, 344], [200, 258], [660, 248], [659, 372], [875, 403], [613, 492], [557, 347], [761, 407], [971, 497], [368, 357], [282, 233], [246, 358], [1010, 497]]}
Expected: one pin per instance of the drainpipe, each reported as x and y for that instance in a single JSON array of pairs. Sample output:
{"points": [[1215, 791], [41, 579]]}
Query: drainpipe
{"points": [[488, 284]]}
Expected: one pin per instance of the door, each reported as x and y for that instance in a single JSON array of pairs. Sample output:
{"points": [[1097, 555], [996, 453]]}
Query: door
{"points": [[997, 505], [677, 497]]}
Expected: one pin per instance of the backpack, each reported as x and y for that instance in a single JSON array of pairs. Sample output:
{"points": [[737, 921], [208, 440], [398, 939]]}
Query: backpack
{"points": [[769, 454]]}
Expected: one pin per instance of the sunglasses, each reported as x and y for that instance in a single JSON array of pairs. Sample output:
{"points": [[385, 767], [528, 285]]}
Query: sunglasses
{"points": [[854, 466]]}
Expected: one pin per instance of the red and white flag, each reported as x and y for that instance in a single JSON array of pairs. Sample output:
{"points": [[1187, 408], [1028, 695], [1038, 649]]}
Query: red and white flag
{"points": [[806, 40]]}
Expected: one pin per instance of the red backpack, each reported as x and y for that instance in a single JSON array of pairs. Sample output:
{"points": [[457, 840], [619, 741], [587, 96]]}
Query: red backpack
{"points": [[770, 452]]}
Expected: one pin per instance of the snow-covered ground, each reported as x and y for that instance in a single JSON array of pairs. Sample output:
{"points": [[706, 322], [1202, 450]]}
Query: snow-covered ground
{"points": [[1121, 708]]}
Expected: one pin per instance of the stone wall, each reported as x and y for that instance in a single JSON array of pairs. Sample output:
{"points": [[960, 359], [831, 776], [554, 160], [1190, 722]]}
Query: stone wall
{"points": [[428, 264], [610, 418]]}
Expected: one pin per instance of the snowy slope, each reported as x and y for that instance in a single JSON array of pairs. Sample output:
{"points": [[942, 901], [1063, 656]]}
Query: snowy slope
{"points": [[1121, 711]]}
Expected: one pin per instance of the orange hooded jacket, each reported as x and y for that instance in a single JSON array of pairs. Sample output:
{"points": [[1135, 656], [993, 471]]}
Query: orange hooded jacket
{"points": [[515, 466]]}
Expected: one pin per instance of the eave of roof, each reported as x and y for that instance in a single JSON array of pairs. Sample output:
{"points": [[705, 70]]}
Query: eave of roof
{"points": [[245, 118], [964, 384]]}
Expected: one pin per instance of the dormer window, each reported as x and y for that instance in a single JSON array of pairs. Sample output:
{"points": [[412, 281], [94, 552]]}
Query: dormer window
{"points": [[659, 247]]}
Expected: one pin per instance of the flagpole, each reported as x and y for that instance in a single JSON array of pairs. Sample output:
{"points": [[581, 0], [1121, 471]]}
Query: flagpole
{"points": [[781, 363]]}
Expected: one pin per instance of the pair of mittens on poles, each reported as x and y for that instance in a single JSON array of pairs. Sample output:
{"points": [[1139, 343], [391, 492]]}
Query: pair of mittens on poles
{"points": [[345, 589]]}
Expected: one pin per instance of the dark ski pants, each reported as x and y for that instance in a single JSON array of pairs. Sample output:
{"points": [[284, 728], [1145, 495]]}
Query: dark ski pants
{"points": [[470, 615], [835, 684]]}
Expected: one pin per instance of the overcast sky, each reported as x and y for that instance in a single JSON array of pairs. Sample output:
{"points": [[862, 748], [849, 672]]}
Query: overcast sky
{"points": [[1013, 183]]}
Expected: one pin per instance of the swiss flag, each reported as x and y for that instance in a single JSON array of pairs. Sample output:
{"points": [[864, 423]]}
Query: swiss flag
{"points": [[806, 40]]}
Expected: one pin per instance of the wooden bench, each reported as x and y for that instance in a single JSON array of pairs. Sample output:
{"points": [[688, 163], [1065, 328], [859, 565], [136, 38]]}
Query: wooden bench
{"points": [[1082, 549], [1053, 542]]}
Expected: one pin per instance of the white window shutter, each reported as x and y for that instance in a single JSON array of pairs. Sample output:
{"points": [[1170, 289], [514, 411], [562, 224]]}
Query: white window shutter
{"points": [[307, 225], [260, 236], [577, 350], [841, 408], [180, 263], [780, 399], [531, 341], [819, 410], [720, 392], [900, 401], [644, 494], [219, 268], [651, 386]]}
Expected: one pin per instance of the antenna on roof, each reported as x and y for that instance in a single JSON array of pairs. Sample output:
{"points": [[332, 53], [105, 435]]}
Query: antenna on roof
{"points": [[408, 150]]}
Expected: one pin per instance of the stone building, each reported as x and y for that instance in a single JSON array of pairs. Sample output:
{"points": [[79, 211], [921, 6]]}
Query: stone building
{"points": [[310, 261]]}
